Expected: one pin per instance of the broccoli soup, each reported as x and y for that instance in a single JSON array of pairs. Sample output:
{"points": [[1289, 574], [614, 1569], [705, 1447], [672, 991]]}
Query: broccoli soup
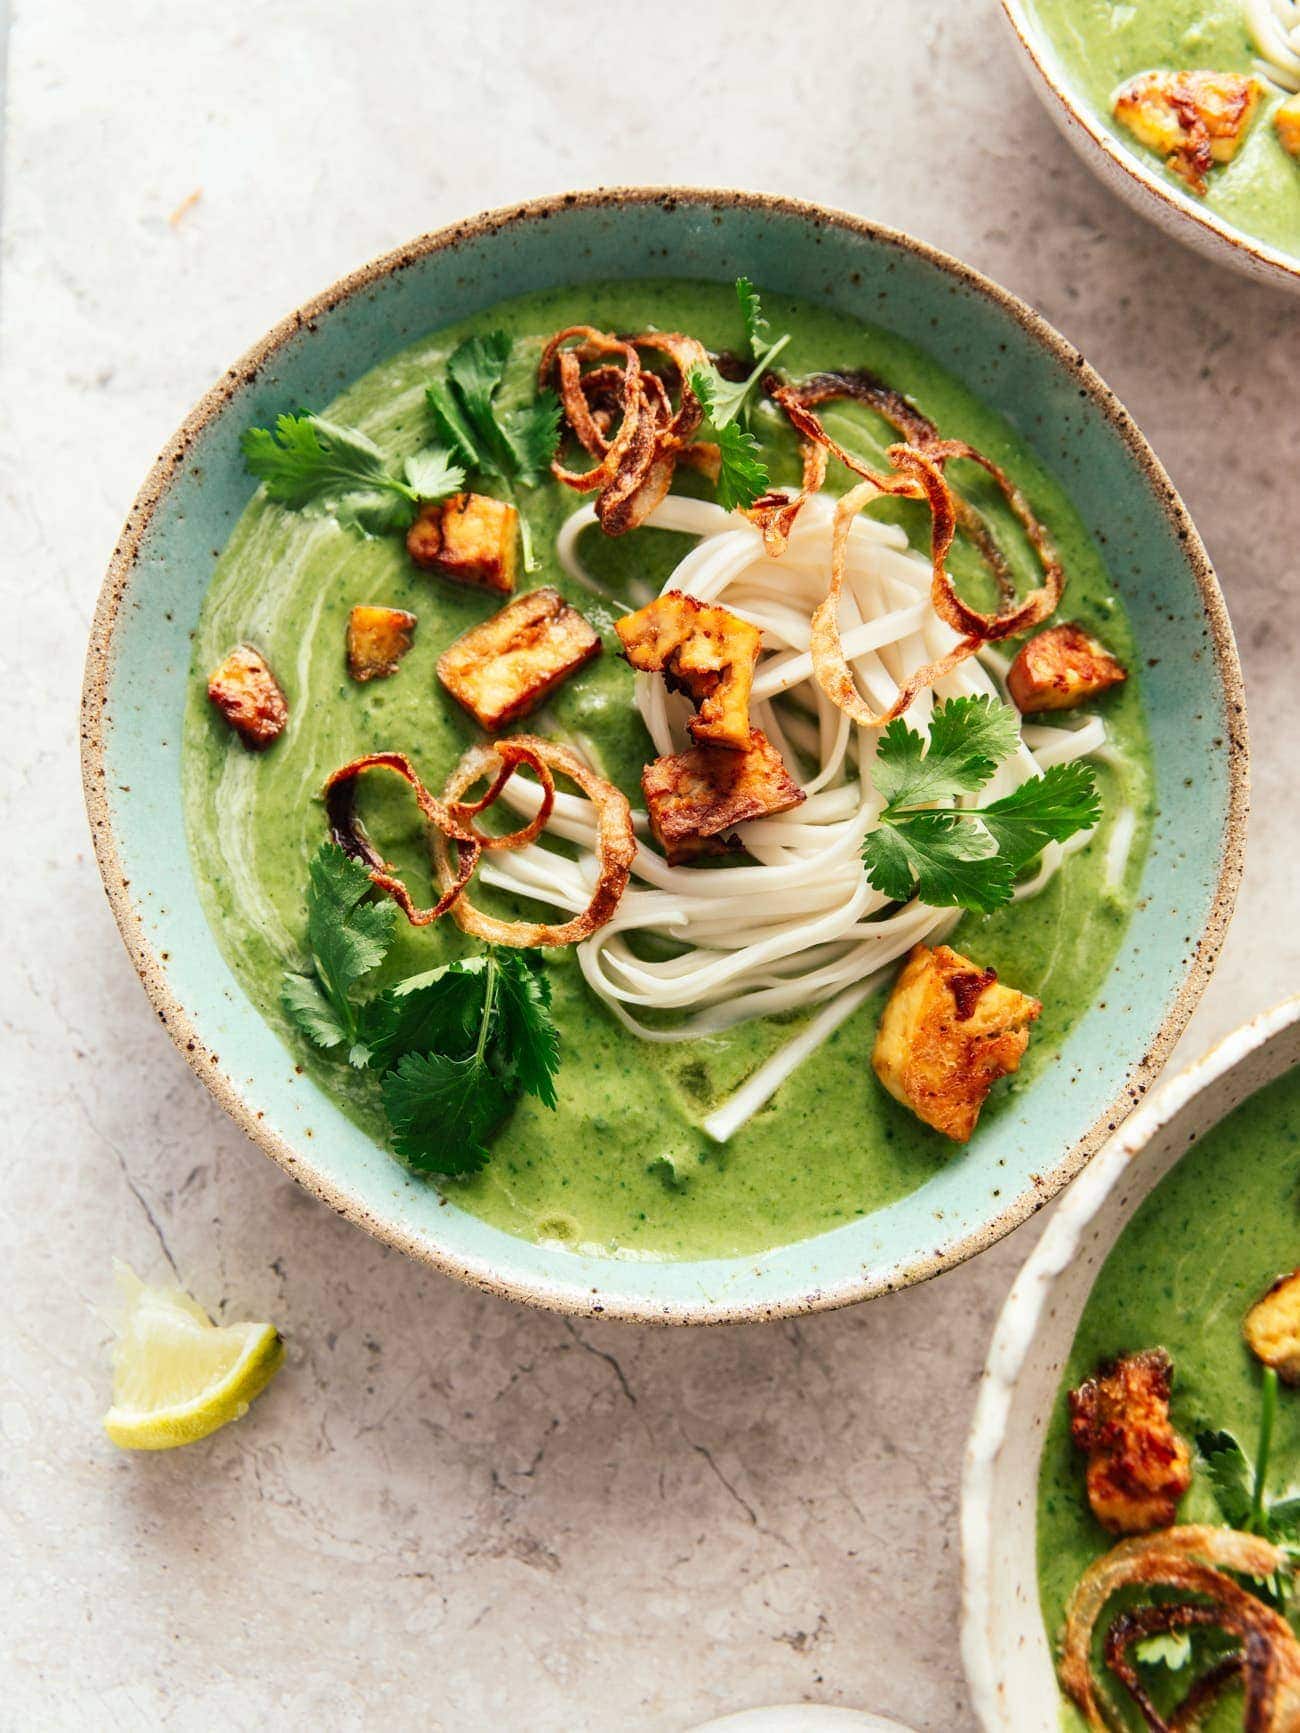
{"points": [[1169, 1489], [668, 788]]}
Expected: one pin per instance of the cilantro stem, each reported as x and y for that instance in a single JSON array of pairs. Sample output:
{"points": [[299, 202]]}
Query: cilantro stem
{"points": [[1267, 1415], [525, 533], [489, 998]]}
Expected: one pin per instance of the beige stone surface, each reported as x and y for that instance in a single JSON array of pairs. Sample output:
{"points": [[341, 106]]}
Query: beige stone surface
{"points": [[449, 1512]]}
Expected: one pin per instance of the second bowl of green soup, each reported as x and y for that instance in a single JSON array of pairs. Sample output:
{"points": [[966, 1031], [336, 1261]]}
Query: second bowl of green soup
{"points": [[1188, 109], [705, 778]]}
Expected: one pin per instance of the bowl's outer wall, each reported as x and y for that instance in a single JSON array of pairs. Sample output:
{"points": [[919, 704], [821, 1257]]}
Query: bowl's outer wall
{"points": [[1191, 686], [1179, 214], [1006, 1647]]}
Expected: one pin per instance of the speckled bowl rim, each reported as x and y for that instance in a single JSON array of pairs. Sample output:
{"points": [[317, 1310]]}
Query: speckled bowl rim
{"points": [[576, 1298], [1031, 1302], [1261, 260]]}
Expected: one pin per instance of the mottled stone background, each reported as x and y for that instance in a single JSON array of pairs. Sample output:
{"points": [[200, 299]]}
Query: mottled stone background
{"points": [[450, 1512]]}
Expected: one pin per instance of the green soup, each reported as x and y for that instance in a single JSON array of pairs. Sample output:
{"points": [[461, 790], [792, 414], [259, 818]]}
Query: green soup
{"points": [[622, 1166], [1100, 44], [1222, 1225]]}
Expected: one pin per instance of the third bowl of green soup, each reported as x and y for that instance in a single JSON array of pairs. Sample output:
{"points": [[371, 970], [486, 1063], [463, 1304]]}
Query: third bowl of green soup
{"points": [[673, 754], [1131, 1506], [1189, 109]]}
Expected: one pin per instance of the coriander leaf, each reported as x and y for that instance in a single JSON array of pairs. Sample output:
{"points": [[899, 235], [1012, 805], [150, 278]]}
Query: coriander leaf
{"points": [[742, 475], [451, 426], [438, 1011], [309, 460], [525, 1035], [1284, 1519], [940, 858], [1172, 1649], [316, 466], [1229, 1475], [348, 935], [757, 328], [442, 1111], [475, 370], [433, 474], [1047, 808], [532, 433], [374, 514], [722, 400], [968, 738], [306, 1004]]}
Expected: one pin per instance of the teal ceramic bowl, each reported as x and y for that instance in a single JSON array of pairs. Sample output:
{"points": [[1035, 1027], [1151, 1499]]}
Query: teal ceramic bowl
{"points": [[138, 668]]}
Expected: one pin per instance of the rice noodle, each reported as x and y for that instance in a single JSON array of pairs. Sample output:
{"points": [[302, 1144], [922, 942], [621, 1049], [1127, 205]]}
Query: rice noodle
{"points": [[1275, 26], [693, 950]]}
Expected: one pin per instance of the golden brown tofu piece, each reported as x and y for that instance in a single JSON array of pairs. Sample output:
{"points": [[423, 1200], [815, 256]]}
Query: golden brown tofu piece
{"points": [[703, 651], [504, 668], [1286, 118], [378, 638], [1272, 1328], [1060, 668], [1138, 1466], [1193, 119], [248, 695], [696, 798], [470, 537], [948, 1032]]}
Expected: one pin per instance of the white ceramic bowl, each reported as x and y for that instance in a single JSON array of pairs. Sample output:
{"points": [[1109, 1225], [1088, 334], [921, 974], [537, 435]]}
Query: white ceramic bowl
{"points": [[1135, 178], [1005, 1645]]}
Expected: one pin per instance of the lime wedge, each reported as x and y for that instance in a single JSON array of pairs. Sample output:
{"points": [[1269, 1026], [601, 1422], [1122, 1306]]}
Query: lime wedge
{"points": [[178, 1376]]}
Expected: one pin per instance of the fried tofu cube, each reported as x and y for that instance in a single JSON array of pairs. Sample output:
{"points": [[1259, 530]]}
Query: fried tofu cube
{"points": [[470, 537], [1193, 119], [1060, 668], [504, 668], [1272, 1328], [378, 638], [1286, 118], [703, 651], [248, 695], [1138, 1465], [948, 1032], [696, 798]]}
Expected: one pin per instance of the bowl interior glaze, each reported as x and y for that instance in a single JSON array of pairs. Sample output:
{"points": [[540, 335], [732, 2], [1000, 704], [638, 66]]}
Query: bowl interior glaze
{"points": [[138, 667], [1004, 1643]]}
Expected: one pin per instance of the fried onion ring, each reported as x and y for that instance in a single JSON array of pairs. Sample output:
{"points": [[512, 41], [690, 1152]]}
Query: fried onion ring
{"points": [[615, 846], [634, 468], [916, 475], [1186, 1558], [830, 665], [452, 821]]}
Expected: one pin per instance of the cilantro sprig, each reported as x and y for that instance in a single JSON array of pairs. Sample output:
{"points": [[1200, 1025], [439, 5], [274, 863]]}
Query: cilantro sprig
{"points": [[453, 1048], [743, 476], [320, 467], [511, 446], [960, 856], [1240, 1487]]}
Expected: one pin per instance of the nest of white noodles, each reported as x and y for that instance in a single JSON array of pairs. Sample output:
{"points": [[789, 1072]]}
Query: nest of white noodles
{"points": [[1275, 26], [693, 950]]}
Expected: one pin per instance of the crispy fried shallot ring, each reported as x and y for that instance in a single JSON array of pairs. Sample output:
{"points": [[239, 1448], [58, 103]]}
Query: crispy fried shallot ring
{"points": [[913, 427], [453, 822], [634, 467], [830, 665], [774, 514], [1186, 1558], [919, 432], [615, 847], [917, 475]]}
